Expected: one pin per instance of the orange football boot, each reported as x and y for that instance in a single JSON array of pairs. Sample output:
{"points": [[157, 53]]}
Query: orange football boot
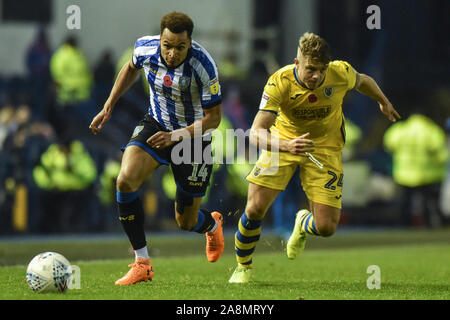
{"points": [[214, 240], [141, 270]]}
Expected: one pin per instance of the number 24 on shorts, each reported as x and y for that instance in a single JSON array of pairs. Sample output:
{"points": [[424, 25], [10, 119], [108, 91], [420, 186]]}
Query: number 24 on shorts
{"points": [[334, 177]]}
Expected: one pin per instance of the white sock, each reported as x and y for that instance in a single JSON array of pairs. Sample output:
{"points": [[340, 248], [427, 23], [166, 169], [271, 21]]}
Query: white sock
{"points": [[141, 253]]}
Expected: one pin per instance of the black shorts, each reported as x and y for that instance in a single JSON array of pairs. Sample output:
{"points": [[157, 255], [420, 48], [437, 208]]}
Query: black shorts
{"points": [[190, 159]]}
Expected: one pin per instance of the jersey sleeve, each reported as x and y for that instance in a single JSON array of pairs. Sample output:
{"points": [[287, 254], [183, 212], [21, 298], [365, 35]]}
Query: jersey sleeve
{"points": [[206, 75], [271, 98], [141, 50], [211, 91], [137, 58], [349, 74], [208, 79]]}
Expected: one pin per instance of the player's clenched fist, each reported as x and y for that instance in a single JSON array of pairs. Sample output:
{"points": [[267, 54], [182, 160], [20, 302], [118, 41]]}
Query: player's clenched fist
{"points": [[300, 145], [100, 119]]}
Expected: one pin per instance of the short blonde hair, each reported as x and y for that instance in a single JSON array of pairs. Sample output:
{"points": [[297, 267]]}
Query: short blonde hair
{"points": [[313, 46]]}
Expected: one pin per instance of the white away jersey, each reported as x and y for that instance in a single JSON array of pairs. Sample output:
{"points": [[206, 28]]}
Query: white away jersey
{"points": [[178, 96]]}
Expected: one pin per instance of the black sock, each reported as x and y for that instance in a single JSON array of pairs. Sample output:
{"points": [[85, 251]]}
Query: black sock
{"points": [[205, 222], [131, 215]]}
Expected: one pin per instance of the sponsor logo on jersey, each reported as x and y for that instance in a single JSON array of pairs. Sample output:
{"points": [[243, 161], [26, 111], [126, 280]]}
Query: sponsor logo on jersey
{"points": [[315, 113], [174, 96]]}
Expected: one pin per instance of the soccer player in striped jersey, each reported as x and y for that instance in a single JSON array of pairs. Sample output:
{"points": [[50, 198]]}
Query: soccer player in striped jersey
{"points": [[302, 107], [185, 104]]}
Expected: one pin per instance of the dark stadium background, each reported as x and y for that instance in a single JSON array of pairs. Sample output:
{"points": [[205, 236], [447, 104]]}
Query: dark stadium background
{"points": [[409, 57]]}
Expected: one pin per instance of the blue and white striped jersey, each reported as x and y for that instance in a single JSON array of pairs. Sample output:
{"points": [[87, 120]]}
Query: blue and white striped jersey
{"points": [[178, 96]]}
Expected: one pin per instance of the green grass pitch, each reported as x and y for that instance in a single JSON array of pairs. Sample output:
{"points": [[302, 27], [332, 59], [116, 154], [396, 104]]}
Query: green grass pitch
{"points": [[413, 265]]}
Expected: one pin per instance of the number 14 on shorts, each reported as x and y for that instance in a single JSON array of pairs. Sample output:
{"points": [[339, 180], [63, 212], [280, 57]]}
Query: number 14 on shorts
{"points": [[196, 173]]}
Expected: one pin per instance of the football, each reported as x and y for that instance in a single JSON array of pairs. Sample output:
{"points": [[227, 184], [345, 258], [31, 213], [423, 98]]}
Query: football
{"points": [[48, 272]]}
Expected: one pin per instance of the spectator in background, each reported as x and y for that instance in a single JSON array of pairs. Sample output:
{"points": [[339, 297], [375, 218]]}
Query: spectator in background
{"points": [[8, 126], [107, 192], [73, 79], [234, 109], [418, 146], [7, 123], [37, 63], [20, 149], [71, 73], [65, 176], [445, 191], [353, 137], [126, 56], [104, 72]]}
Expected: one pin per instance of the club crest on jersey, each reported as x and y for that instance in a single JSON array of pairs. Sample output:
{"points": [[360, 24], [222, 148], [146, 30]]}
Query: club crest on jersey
{"points": [[328, 91], [167, 80], [257, 171], [137, 130], [184, 83]]}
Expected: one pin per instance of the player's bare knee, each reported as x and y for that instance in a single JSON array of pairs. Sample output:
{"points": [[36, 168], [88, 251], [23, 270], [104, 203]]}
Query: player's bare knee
{"points": [[255, 212], [124, 183], [326, 230]]}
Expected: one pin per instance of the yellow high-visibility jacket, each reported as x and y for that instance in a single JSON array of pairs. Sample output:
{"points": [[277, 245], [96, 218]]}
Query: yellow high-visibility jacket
{"points": [[419, 150]]}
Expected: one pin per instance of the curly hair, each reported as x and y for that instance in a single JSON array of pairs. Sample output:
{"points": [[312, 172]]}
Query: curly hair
{"points": [[313, 46], [177, 22]]}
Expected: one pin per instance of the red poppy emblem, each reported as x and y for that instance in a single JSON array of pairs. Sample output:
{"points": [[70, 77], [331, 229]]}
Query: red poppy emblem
{"points": [[167, 80], [312, 98]]}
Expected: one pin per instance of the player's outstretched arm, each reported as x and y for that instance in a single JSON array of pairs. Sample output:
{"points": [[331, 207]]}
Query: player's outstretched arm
{"points": [[368, 86], [125, 79]]}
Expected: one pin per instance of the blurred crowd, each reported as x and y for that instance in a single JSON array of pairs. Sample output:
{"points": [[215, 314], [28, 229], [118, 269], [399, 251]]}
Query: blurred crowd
{"points": [[55, 176]]}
